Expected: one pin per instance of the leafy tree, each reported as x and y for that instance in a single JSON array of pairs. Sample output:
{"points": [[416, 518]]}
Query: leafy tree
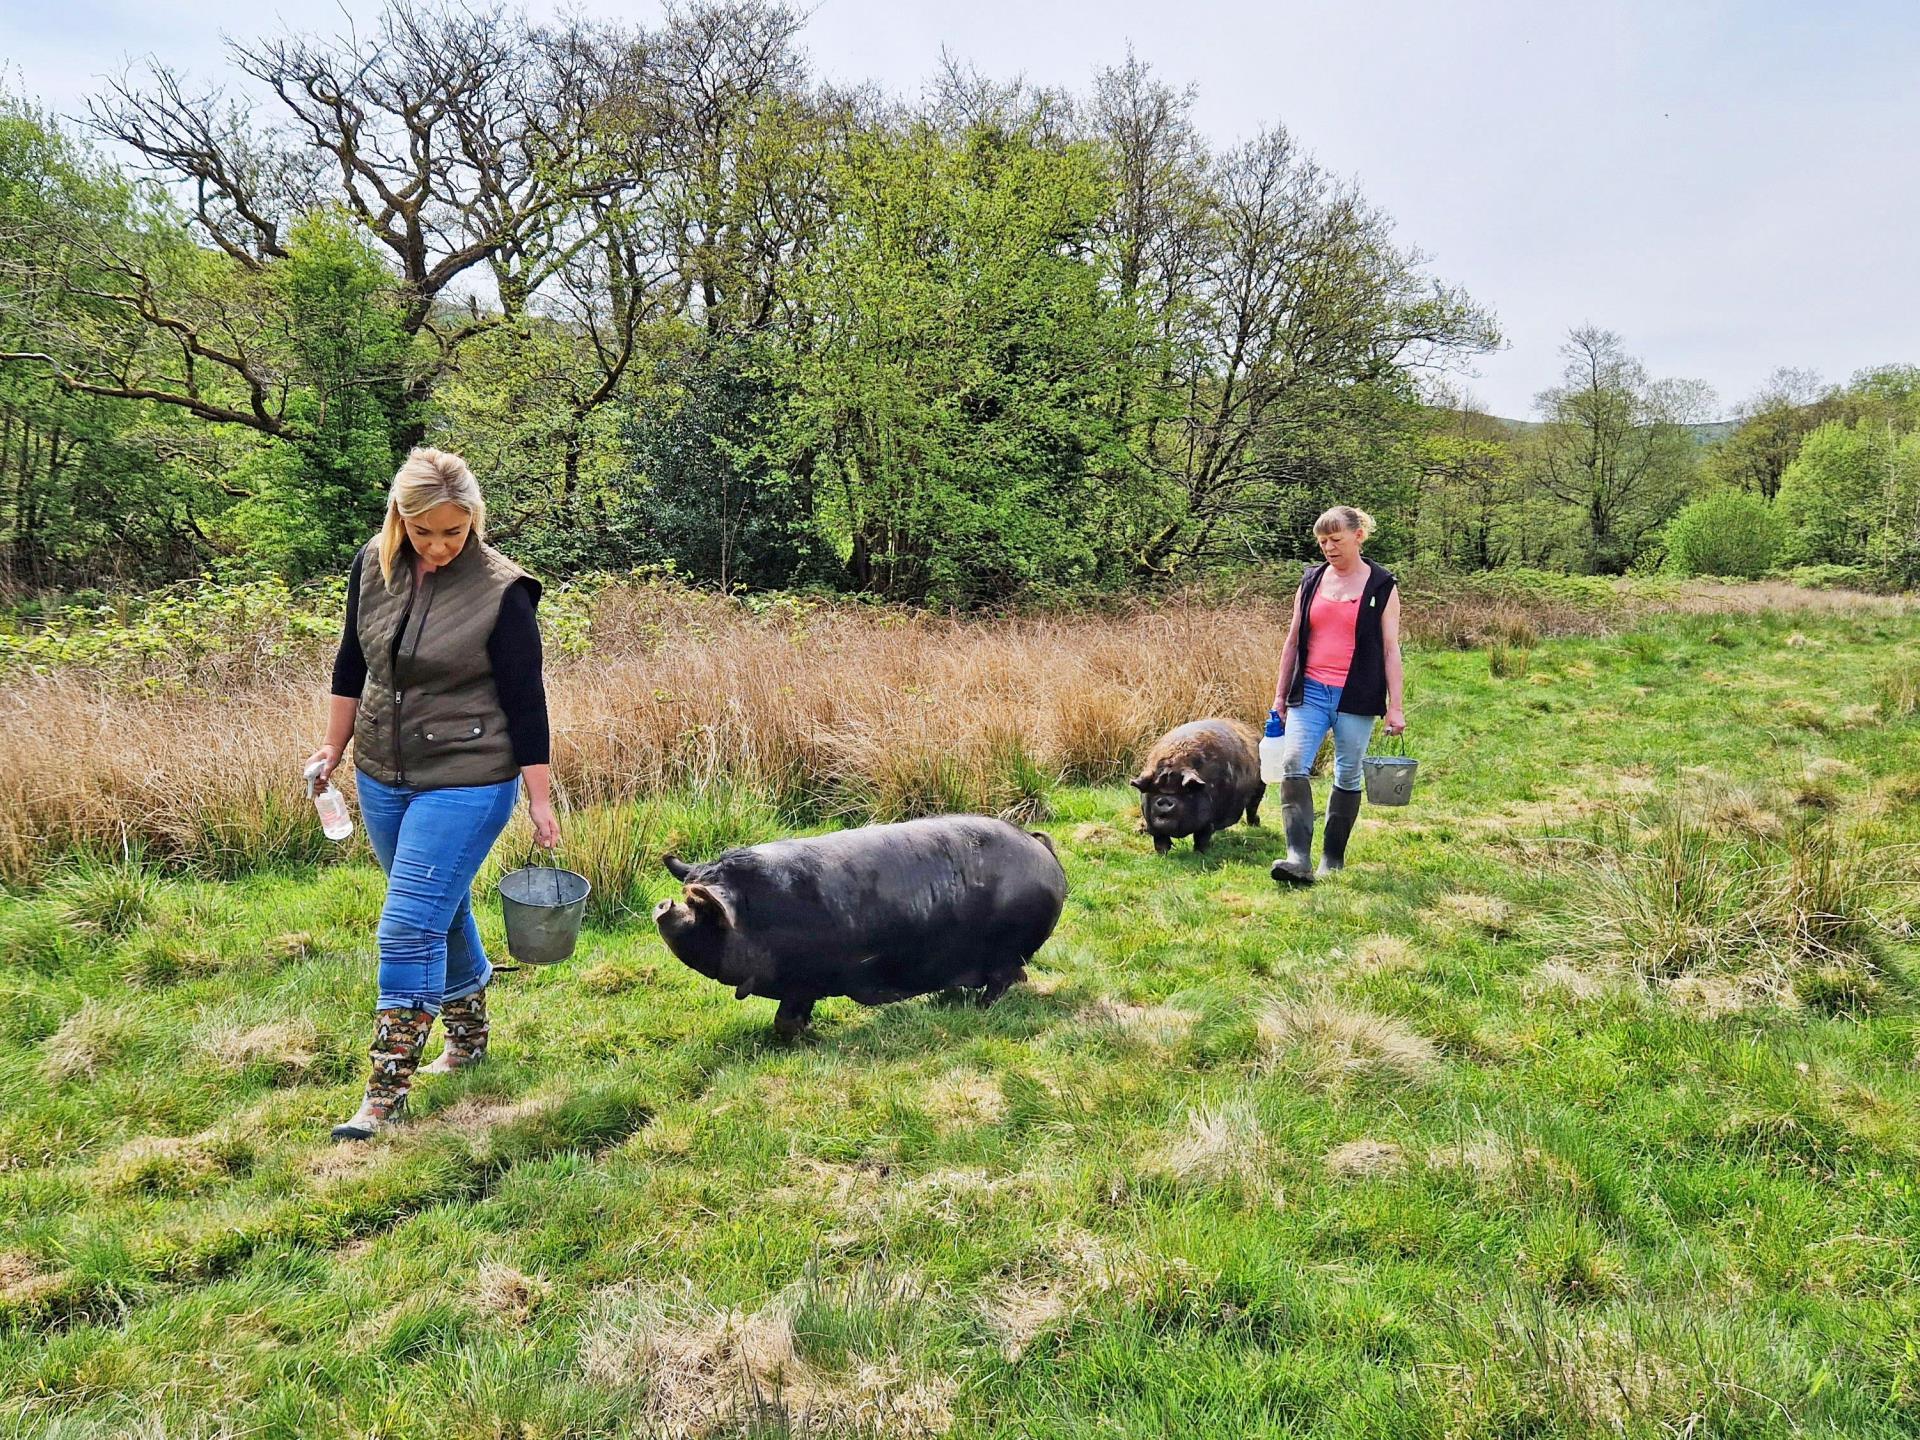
{"points": [[1852, 497], [942, 406], [1792, 404], [315, 497], [1616, 447], [90, 488], [706, 495], [1291, 317], [1467, 487]]}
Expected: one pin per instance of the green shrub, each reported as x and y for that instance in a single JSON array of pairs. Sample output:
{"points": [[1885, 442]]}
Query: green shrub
{"points": [[1732, 534], [1829, 577]]}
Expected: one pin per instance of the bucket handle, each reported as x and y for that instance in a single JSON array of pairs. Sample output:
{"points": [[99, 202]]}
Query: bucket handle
{"points": [[1394, 747], [544, 857]]}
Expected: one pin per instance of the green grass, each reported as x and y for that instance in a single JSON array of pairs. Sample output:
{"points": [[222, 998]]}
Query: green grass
{"points": [[1581, 1105]]}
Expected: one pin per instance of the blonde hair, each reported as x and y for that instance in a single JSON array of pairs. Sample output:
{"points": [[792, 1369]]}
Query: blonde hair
{"points": [[1344, 517], [429, 478]]}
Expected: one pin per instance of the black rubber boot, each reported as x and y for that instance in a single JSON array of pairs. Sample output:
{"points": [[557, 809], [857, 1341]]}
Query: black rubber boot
{"points": [[1296, 813], [1343, 807]]}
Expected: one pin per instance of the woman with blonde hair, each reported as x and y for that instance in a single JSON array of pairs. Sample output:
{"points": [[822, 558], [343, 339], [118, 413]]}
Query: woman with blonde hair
{"points": [[1340, 671], [438, 684]]}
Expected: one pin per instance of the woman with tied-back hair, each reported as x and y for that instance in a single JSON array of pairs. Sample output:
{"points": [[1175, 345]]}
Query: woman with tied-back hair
{"points": [[438, 684], [1339, 671]]}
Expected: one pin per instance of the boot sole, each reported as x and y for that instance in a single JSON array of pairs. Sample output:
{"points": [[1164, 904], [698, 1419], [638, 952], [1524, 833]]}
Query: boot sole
{"points": [[1290, 877]]}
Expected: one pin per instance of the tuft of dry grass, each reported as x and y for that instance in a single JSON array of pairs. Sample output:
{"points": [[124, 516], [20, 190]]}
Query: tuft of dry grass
{"points": [[1222, 1144], [1365, 1160], [291, 1047], [1161, 1026], [1558, 978], [92, 1036], [1487, 913], [1323, 1043], [1384, 955], [512, 1294], [965, 1098], [173, 1165]]}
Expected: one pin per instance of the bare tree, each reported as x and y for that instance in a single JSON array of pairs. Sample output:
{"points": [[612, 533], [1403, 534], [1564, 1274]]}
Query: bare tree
{"points": [[460, 141], [724, 88]]}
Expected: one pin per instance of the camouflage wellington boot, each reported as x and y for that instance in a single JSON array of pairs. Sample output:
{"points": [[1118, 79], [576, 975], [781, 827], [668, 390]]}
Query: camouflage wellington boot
{"points": [[465, 1023], [398, 1038], [1296, 814], [1343, 808]]}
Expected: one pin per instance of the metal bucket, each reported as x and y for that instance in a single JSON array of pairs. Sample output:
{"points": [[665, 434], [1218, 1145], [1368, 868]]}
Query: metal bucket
{"points": [[1390, 777], [542, 905]]}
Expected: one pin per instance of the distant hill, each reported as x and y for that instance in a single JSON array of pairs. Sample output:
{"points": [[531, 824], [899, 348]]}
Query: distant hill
{"points": [[1707, 432]]}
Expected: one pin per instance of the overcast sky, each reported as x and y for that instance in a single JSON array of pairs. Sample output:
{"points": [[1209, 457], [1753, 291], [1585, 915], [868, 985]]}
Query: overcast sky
{"points": [[1733, 185]]}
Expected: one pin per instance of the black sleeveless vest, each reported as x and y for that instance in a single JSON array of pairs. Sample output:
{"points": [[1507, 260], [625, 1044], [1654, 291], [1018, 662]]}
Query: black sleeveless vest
{"points": [[1365, 692]]}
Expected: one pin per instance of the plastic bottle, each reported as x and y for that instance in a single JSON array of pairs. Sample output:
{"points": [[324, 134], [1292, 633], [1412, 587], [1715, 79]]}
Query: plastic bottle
{"points": [[335, 822], [1273, 746]]}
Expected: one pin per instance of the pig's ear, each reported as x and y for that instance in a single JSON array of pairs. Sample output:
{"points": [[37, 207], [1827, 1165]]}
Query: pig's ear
{"points": [[709, 904], [1141, 781], [1190, 780], [676, 867]]}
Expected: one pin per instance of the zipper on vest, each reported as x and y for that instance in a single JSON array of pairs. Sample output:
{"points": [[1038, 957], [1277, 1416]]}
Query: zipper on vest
{"points": [[421, 583]]}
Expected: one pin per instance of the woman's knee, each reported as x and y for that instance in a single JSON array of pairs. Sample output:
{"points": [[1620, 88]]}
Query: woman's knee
{"points": [[401, 940]]}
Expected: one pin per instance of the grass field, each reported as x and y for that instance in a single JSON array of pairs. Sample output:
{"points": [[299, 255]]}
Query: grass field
{"points": [[1583, 1104]]}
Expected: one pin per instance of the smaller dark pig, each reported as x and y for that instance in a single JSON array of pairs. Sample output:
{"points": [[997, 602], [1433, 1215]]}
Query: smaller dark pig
{"points": [[878, 914], [1198, 779]]}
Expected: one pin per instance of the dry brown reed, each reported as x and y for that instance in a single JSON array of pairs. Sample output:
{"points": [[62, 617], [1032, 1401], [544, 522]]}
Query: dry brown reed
{"points": [[824, 708], [828, 710]]}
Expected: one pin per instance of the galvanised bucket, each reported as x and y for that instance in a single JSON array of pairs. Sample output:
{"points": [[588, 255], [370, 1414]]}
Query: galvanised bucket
{"points": [[543, 906], [1390, 777]]}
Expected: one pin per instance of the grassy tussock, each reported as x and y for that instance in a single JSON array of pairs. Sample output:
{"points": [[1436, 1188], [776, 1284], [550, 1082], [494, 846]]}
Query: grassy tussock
{"points": [[94, 1035], [1324, 1044], [1223, 1144], [1685, 890]]}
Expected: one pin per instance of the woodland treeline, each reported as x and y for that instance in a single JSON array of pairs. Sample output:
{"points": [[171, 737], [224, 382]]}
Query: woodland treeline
{"points": [[685, 305]]}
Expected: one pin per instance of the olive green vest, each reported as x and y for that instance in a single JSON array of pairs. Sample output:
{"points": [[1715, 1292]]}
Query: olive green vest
{"points": [[429, 715]]}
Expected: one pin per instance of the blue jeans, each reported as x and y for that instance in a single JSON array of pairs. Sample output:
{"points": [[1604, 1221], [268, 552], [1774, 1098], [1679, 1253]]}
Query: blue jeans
{"points": [[431, 844], [1307, 726]]}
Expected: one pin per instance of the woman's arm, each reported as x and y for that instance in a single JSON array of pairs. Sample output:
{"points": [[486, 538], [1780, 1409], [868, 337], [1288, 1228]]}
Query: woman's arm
{"points": [[1286, 655], [514, 649], [1390, 638], [349, 679]]}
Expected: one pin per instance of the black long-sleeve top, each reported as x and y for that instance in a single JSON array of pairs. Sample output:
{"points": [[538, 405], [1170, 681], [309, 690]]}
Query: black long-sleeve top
{"points": [[513, 647]]}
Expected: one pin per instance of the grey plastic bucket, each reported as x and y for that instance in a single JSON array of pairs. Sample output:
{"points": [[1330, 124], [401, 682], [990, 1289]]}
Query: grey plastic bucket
{"points": [[1389, 779], [542, 905]]}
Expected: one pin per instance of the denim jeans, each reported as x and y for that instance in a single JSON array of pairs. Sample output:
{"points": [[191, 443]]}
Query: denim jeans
{"points": [[431, 844], [1307, 726]]}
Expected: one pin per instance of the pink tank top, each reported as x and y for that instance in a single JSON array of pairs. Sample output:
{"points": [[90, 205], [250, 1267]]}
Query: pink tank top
{"points": [[1330, 627]]}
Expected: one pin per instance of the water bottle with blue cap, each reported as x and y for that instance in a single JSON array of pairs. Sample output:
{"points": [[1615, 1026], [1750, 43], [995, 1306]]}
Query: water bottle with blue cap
{"points": [[1273, 747]]}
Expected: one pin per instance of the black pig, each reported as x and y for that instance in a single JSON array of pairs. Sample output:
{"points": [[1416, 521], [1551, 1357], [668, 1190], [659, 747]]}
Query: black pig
{"points": [[1197, 779], [878, 914]]}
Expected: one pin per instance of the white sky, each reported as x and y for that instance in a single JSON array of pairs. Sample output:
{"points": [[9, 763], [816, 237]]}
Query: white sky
{"points": [[1734, 185]]}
